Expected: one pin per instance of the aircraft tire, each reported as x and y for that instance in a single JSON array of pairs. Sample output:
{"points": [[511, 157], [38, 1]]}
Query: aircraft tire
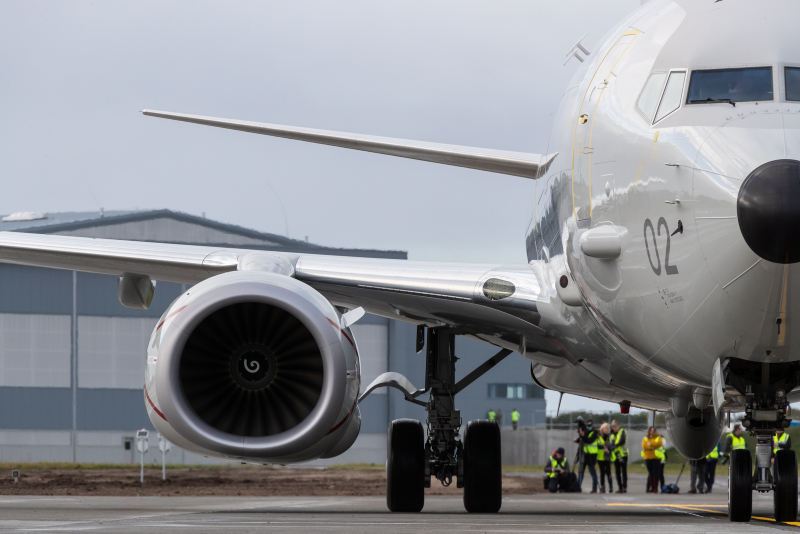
{"points": [[785, 492], [405, 466], [740, 486], [483, 477]]}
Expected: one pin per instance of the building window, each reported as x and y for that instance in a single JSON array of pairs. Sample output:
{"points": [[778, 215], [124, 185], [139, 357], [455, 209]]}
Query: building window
{"points": [[513, 391]]}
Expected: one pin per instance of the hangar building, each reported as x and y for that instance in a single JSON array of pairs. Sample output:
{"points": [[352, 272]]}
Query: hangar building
{"points": [[72, 357]]}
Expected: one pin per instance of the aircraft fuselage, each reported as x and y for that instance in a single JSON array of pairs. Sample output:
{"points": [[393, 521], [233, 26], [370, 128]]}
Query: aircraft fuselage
{"points": [[686, 289]]}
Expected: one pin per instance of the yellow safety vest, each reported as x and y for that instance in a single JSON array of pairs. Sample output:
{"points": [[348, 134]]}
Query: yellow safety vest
{"points": [[514, 416], [591, 448], [554, 462], [737, 443], [661, 454], [714, 454], [775, 440], [600, 443], [491, 416], [620, 451]]}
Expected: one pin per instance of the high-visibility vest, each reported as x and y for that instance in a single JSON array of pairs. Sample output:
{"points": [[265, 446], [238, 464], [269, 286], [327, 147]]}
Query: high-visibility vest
{"points": [[491, 415], [601, 451], [714, 454], [737, 443], [555, 462], [661, 454], [514, 416], [775, 440], [620, 451], [591, 448]]}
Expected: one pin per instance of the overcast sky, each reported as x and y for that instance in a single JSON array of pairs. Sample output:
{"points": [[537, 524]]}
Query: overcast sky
{"points": [[488, 74]]}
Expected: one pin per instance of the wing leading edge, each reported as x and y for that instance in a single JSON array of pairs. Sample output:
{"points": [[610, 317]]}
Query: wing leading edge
{"points": [[500, 161], [430, 293]]}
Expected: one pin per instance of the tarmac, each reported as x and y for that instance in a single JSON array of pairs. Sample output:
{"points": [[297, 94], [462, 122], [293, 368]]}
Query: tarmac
{"points": [[563, 513]]}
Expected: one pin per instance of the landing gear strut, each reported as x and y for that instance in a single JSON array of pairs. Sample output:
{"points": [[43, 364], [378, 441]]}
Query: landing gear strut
{"points": [[765, 386], [475, 463]]}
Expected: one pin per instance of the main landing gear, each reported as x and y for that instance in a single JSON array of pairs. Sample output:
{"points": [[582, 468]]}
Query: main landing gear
{"points": [[413, 461], [766, 386]]}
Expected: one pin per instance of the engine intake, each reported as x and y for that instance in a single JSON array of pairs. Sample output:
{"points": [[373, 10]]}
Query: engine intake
{"points": [[254, 365], [251, 369]]}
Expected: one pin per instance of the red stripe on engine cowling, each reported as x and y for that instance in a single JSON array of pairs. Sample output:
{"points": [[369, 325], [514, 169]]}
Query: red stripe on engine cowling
{"points": [[340, 423], [167, 319], [337, 327], [146, 394], [346, 417]]}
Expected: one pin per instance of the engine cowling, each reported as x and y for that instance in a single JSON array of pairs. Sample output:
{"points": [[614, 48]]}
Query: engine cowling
{"points": [[254, 366], [695, 435]]}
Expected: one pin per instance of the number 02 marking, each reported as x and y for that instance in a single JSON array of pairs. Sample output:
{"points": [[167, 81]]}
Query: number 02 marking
{"points": [[669, 269]]}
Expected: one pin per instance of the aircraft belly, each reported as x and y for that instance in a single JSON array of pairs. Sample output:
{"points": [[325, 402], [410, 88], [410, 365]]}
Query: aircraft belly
{"points": [[588, 383]]}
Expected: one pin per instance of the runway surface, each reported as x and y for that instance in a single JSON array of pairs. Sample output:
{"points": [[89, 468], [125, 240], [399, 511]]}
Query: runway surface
{"points": [[563, 513]]}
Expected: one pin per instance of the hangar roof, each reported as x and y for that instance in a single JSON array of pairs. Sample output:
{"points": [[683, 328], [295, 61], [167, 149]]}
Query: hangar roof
{"points": [[167, 226]]}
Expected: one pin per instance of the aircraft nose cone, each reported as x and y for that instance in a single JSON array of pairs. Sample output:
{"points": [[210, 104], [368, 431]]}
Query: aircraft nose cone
{"points": [[768, 209]]}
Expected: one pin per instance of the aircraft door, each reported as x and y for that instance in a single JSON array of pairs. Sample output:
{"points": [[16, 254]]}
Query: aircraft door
{"points": [[583, 143]]}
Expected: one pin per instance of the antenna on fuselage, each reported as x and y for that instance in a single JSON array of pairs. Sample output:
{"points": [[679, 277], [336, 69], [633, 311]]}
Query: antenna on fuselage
{"points": [[576, 50]]}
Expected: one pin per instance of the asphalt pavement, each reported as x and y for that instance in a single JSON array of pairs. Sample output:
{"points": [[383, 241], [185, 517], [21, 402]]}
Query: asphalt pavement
{"points": [[562, 513]]}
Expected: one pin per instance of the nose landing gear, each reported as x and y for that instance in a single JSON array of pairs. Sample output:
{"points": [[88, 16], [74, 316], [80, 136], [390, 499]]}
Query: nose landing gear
{"points": [[765, 413], [413, 461]]}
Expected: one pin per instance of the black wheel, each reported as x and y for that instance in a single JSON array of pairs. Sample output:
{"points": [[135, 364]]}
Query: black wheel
{"points": [[785, 492], [483, 477], [740, 486], [405, 466]]}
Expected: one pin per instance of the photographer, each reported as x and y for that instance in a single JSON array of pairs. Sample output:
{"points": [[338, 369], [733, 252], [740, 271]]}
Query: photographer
{"points": [[558, 472], [587, 438]]}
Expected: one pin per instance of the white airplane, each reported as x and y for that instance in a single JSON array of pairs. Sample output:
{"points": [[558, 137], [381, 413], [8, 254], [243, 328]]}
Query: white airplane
{"points": [[662, 255]]}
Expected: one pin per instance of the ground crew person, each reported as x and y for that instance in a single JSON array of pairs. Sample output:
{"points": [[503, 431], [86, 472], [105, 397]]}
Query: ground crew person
{"points": [[492, 415], [734, 441], [710, 469], [588, 439], [557, 471], [621, 452], [605, 454], [650, 444], [780, 441], [514, 419], [661, 454], [697, 475]]}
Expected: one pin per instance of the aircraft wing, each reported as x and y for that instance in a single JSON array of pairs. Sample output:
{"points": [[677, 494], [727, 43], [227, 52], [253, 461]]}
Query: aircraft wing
{"points": [[490, 301], [504, 162]]}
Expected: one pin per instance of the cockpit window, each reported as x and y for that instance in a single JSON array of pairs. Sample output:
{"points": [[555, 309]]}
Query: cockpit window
{"points": [[672, 95], [792, 83], [648, 100], [730, 85]]}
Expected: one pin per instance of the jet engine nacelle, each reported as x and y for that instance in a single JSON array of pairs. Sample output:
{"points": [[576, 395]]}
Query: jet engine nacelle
{"points": [[695, 435], [254, 366]]}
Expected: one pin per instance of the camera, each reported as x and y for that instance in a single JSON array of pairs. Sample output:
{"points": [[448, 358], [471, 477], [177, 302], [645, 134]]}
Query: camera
{"points": [[581, 424]]}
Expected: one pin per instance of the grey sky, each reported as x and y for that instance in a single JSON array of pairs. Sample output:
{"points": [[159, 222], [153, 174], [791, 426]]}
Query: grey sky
{"points": [[489, 74]]}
